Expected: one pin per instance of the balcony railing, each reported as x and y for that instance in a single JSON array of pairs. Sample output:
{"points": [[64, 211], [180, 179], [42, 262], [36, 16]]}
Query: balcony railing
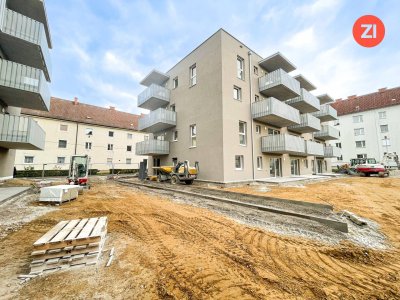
{"points": [[305, 103], [154, 97], [314, 148], [19, 28], [30, 88], [20, 132], [157, 120], [332, 151], [280, 85], [327, 133], [326, 113], [308, 123], [283, 143], [275, 112], [152, 147]]}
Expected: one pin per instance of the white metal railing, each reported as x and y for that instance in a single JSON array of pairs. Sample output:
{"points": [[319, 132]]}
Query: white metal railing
{"points": [[151, 146], [272, 106], [278, 77], [326, 110], [307, 120], [327, 132], [305, 96], [314, 148], [21, 129], [160, 115], [154, 91], [332, 151], [283, 143]]}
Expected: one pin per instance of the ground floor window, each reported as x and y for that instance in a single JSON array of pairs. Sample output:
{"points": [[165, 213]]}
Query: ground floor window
{"points": [[128, 161], [295, 166], [239, 162], [28, 159], [275, 167], [61, 160]]}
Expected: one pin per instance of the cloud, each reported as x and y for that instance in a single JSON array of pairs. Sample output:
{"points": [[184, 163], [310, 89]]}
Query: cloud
{"points": [[115, 64], [304, 39]]}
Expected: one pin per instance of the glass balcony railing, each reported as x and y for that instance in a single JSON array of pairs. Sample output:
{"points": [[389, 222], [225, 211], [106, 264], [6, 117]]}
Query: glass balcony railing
{"points": [[154, 97], [152, 147], [283, 143], [275, 112], [280, 85], [308, 123], [157, 120]]}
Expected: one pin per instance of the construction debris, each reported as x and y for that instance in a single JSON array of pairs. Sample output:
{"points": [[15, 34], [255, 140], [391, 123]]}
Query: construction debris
{"points": [[59, 193], [352, 217], [111, 257], [69, 244]]}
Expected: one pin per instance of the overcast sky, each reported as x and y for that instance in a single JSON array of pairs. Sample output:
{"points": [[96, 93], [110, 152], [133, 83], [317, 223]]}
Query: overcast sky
{"points": [[103, 48]]}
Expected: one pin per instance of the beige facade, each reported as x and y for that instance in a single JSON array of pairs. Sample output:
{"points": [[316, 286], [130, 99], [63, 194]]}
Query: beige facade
{"points": [[107, 147], [228, 146]]}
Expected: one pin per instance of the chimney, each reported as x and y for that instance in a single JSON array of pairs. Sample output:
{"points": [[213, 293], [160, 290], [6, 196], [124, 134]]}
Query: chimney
{"points": [[382, 89], [352, 97], [76, 101], [112, 107]]}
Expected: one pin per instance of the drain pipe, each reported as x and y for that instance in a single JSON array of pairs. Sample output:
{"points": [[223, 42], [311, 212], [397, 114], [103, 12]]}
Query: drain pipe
{"points": [[251, 118]]}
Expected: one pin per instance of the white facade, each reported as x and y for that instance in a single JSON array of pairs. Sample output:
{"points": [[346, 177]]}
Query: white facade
{"points": [[369, 133], [107, 147]]}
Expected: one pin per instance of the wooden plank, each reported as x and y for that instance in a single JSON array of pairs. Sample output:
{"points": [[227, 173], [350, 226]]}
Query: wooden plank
{"points": [[65, 253], [64, 232], [74, 233], [85, 233], [50, 234], [93, 240], [100, 226]]}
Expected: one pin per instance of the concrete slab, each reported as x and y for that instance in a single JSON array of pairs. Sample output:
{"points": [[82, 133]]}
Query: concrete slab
{"points": [[290, 179], [7, 193]]}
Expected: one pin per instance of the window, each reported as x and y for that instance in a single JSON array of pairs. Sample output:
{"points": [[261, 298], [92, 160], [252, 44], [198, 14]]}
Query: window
{"points": [[174, 161], [360, 144], [62, 144], [175, 83], [193, 135], [109, 160], [361, 155], [193, 75], [129, 161], [273, 131], [358, 119], [256, 98], [255, 70], [340, 158], [386, 142], [382, 115], [88, 145], [61, 160], [129, 148], [110, 147], [175, 136], [242, 133], [239, 162], [384, 128], [63, 127], [172, 107], [237, 93], [336, 123], [111, 133], [258, 129], [259, 162], [339, 145], [240, 67], [28, 159], [306, 163], [359, 131], [129, 135], [89, 131]]}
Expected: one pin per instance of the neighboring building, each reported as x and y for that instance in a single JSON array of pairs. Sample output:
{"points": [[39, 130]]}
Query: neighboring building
{"points": [[369, 124], [240, 116], [108, 136], [25, 71]]}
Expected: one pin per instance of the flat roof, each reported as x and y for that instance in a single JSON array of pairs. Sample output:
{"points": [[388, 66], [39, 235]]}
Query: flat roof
{"points": [[155, 77], [304, 83], [277, 61], [325, 98]]}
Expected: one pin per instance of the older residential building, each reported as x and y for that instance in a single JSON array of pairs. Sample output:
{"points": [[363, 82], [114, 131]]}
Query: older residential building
{"points": [[241, 116], [369, 124], [108, 136], [25, 71]]}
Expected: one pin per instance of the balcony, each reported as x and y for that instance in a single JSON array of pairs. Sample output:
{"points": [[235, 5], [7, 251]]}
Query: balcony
{"points": [[325, 98], [308, 123], [157, 120], [19, 132], [326, 113], [274, 112], [24, 41], [305, 83], [327, 133], [332, 151], [305, 103], [283, 143], [276, 61], [152, 148], [23, 86], [280, 85], [314, 148], [154, 97]]}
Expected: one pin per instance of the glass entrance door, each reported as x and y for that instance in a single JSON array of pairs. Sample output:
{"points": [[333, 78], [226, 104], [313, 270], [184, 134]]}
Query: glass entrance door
{"points": [[275, 167], [295, 166], [320, 165]]}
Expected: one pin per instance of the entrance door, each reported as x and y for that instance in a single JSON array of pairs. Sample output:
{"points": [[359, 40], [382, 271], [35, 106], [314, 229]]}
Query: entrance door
{"points": [[275, 167], [156, 163], [320, 165], [295, 166]]}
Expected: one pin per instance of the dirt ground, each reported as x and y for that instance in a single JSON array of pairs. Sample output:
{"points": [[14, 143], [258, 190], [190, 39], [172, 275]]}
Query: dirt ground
{"points": [[167, 250]]}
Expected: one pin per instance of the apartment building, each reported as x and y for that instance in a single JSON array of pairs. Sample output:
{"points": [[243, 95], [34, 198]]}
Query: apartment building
{"points": [[369, 124], [241, 116], [25, 73], [108, 136]]}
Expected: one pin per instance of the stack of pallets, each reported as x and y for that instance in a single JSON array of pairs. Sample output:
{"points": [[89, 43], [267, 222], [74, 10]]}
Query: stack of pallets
{"points": [[69, 244]]}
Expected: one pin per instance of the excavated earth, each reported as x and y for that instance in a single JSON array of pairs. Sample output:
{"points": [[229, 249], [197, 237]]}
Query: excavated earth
{"points": [[166, 249]]}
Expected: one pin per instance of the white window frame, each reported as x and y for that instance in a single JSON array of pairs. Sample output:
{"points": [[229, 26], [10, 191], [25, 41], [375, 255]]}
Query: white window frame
{"points": [[362, 143], [240, 67], [384, 126], [359, 131], [237, 93], [175, 82], [193, 136], [88, 145], [258, 129], [30, 156], [110, 147], [175, 136], [128, 161], [243, 134], [241, 162], [109, 160], [193, 75], [66, 144], [386, 142], [259, 163], [256, 98], [255, 70], [358, 119], [382, 115], [58, 158], [129, 136]]}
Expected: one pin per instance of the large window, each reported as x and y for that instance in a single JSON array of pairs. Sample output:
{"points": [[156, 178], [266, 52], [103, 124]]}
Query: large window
{"points": [[359, 131], [28, 159], [384, 128], [259, 163], [61, 160], [240, 67], [193, 135], [358, 119], [62, 144], [242, 133], [110, 147], [382, 115], [193, 75], [360, 144], [239, 162], [237, 93]]}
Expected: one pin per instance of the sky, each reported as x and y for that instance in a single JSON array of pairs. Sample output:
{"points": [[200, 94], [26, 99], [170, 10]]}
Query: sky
{"points": [[102, 49]]}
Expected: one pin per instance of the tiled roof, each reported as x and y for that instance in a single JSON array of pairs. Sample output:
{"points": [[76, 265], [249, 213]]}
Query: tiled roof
{"points": [[85, 113], [382, 98]]}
